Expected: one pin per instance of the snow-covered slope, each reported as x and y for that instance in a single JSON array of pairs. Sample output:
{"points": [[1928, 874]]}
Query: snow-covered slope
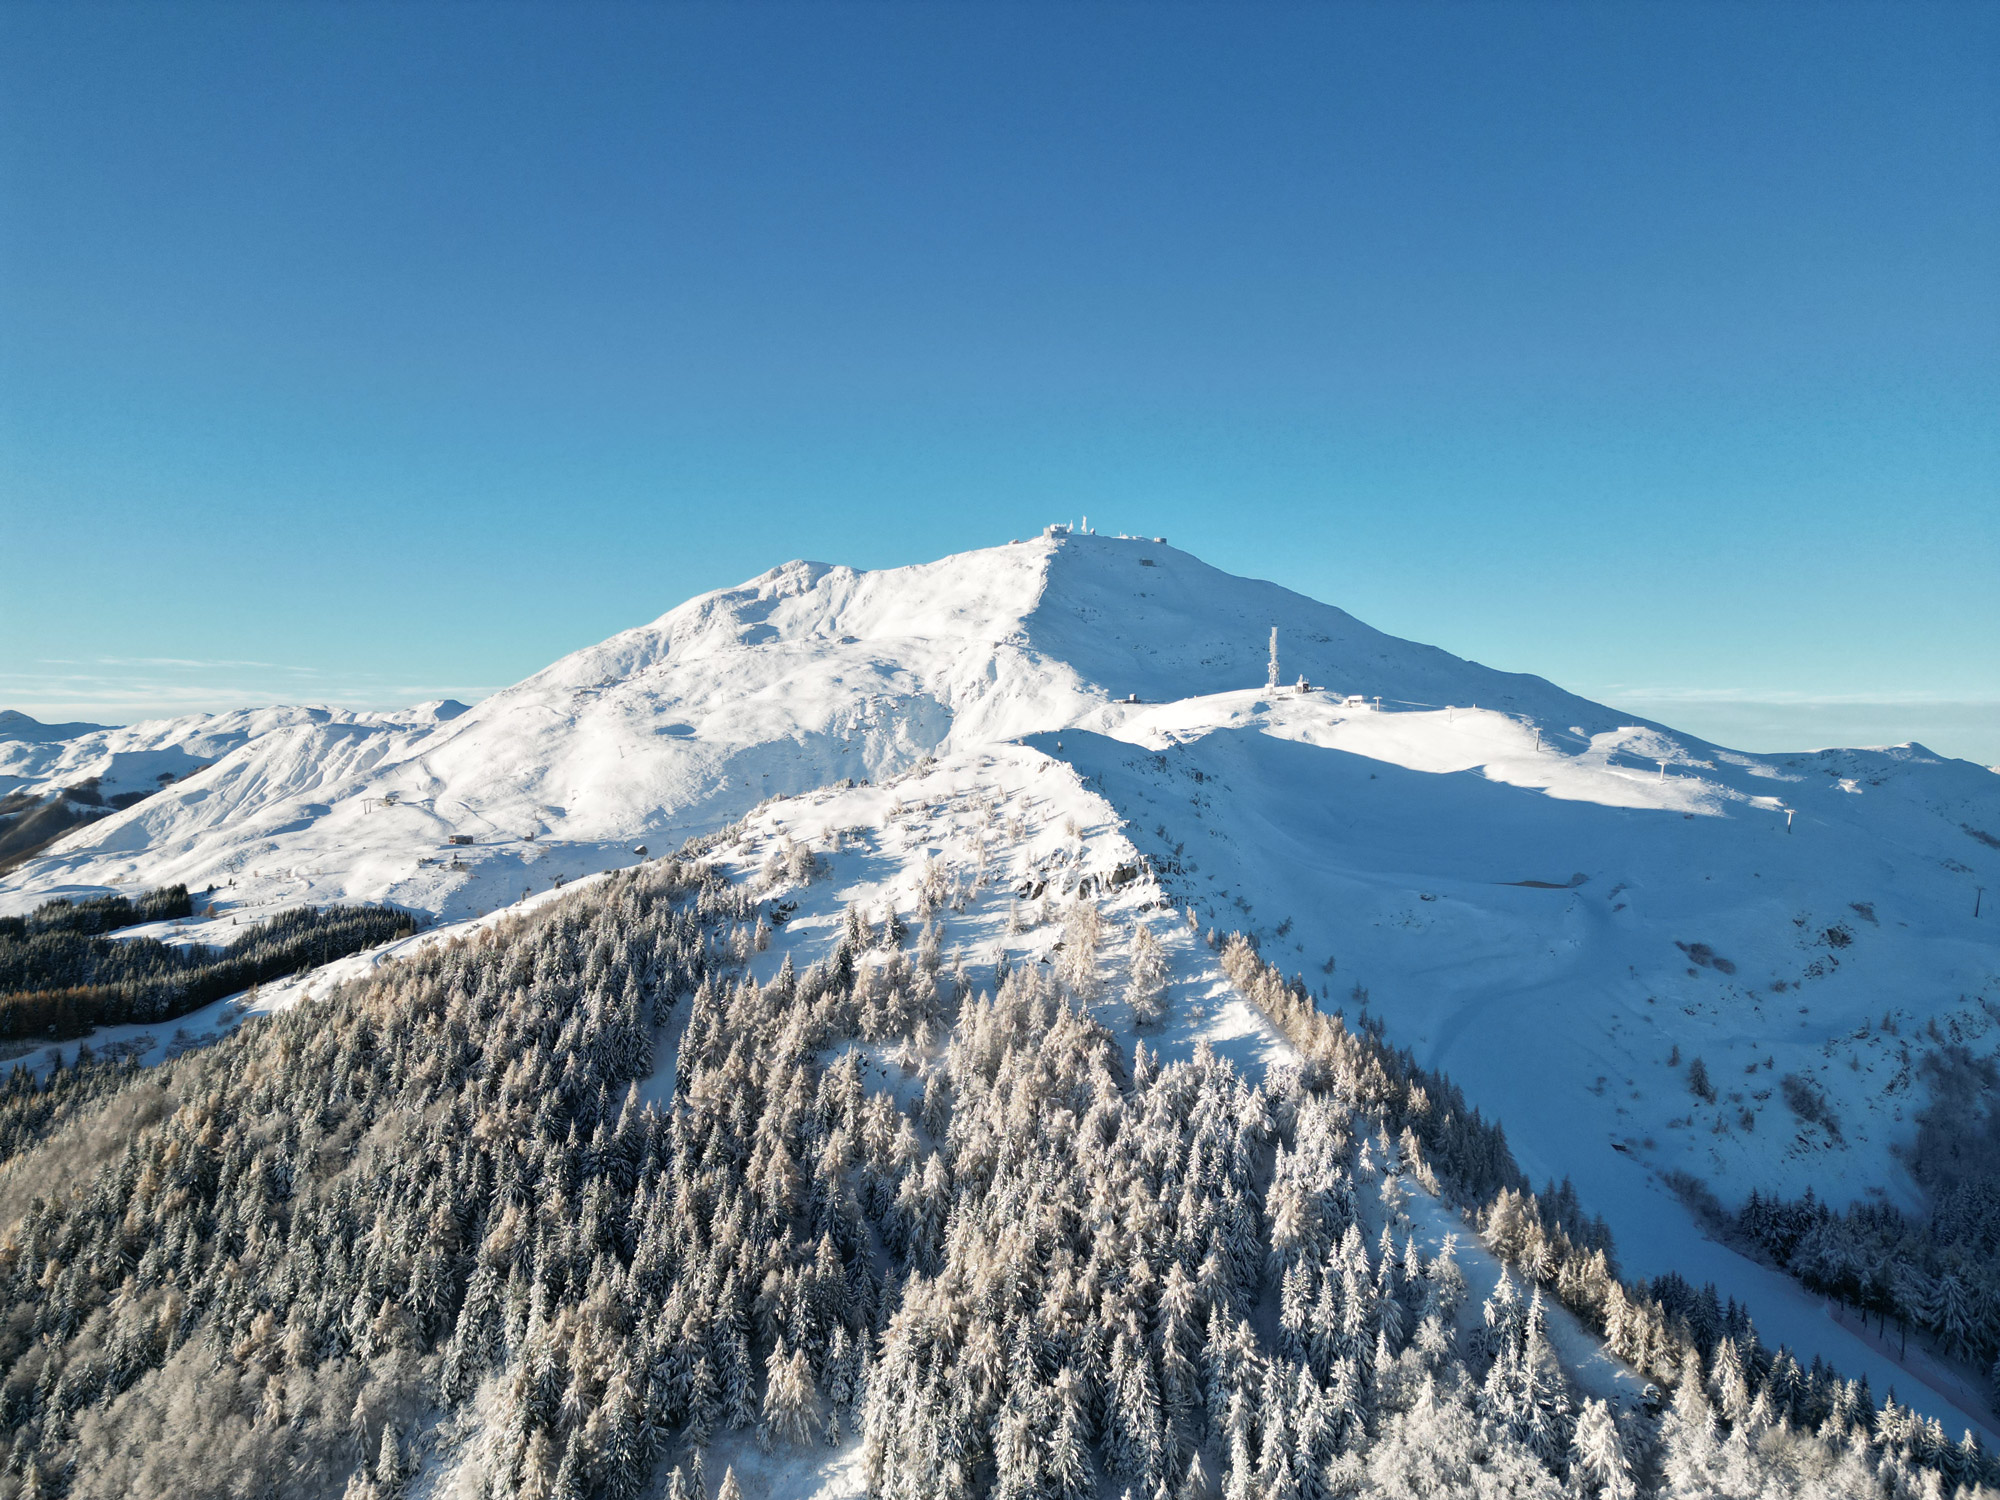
{"points": [[975, 832], [36, 759], [1566, 931], [19, 726], [982, 829], [1559, 904], [805, 675]]}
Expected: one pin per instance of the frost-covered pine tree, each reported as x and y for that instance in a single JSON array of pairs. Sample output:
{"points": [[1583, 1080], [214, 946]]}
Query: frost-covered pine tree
{"points": [[1689, 1433], [393, 1466], [1543, 1405], [1729, 1383], [1067, 1462], [733, 1351], [1146, 977], [1081, 926], [791, 1399], [1598, 1463]]}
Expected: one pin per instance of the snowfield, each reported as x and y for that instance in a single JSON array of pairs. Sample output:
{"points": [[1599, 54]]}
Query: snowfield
{"points": [[1559, 905]]}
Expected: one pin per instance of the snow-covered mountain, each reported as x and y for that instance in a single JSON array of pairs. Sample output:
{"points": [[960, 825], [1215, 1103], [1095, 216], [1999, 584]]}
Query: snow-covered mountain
{"points": [[1522, 882], [804, 675], [21, 727], [1560, 905], [36, 758], [1481, 842]]}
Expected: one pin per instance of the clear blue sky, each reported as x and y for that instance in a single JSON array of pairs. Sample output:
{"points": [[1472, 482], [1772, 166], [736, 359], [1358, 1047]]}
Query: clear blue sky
{"points": [[359, 353]]}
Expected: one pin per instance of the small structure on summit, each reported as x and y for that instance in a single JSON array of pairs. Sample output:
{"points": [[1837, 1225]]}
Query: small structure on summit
{"points": [[1271, 680]]}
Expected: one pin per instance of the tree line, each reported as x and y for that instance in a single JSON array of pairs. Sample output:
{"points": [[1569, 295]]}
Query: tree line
{"points": [[1937, 1271], [61, 975], [97, 914], [1739, 1409]]}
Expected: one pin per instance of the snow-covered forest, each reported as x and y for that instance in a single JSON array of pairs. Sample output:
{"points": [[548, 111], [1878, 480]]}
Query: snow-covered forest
{"points": [[578, 1206], [1938, 1271], [60, 975]]}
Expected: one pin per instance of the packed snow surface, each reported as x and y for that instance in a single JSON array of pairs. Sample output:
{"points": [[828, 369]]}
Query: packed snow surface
{"points": [[1558, 904]]}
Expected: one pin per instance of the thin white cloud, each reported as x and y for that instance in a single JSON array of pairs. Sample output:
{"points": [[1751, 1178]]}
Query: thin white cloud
{"points": [[201, 665], [197, 663], [1749, 697], [1958, 726], [128, 689]]}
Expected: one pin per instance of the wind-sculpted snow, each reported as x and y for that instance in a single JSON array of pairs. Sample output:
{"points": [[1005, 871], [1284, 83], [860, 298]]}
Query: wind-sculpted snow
{"points": [[1136, 617]]}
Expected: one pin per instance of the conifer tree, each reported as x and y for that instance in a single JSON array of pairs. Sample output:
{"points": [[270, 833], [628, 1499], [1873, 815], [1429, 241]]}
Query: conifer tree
{"points": [[1146, 977]]}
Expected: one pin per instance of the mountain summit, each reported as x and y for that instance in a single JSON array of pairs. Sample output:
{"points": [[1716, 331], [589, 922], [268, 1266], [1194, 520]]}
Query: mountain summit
{"points": [[813, 673], [806, 674]]}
